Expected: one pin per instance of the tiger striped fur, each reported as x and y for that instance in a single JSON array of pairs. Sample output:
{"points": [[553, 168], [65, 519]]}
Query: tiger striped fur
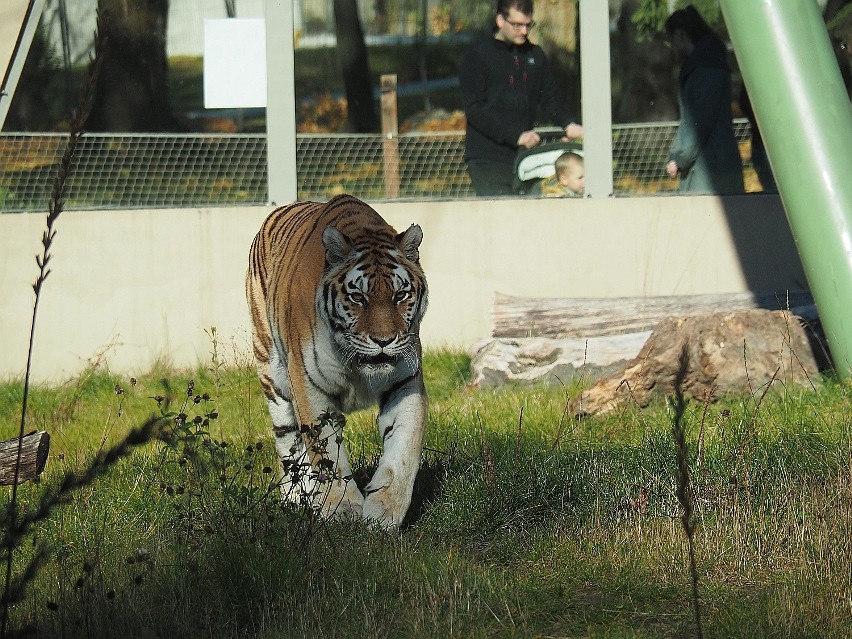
{"points": [[336, 299]]}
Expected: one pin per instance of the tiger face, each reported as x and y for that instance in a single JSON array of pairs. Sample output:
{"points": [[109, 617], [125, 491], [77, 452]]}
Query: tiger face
{"points": [[375, 298], [336, 297]]}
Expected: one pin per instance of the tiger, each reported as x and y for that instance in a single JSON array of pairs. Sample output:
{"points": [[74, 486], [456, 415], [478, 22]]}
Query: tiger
{"points": [[336, 297]]}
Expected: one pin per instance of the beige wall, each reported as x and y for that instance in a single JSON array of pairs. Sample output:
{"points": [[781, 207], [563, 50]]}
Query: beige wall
{"points": [[145, 284]]}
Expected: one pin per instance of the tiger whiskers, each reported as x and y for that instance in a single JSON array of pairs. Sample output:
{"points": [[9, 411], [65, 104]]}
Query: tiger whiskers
{"points": [[348, 354]]}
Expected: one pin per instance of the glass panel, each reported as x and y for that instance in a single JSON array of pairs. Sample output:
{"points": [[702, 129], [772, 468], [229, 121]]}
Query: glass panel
{"points": [[648, 130], [148, 134]]}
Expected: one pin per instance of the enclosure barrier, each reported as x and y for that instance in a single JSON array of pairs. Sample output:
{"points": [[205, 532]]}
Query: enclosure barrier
{"points": [[163, 170]]}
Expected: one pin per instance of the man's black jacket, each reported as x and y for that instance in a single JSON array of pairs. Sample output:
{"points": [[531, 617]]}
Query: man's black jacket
{"points": [[502, 87]]}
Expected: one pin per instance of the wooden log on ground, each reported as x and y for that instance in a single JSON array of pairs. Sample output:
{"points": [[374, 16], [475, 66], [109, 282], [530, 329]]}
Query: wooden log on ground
{"points": [[532, 360], [34, 448], [585, 317]]}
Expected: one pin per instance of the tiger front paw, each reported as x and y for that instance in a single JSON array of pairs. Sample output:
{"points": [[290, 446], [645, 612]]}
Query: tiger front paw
{"points": [[343, 502], [385, 508]]}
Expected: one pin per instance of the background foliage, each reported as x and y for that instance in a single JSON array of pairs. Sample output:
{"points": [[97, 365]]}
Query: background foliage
{"points": [[418, 45]]}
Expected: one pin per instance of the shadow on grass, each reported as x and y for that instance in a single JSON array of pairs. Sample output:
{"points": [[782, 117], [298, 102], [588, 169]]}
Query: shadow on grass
{"points": [[428, 485]]}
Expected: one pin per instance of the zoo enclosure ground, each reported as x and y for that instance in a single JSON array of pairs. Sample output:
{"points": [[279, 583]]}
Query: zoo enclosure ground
{"points": [[526, 522]]}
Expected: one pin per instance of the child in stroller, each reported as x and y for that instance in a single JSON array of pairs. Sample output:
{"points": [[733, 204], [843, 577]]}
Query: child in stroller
{"points": [[553, 170]]}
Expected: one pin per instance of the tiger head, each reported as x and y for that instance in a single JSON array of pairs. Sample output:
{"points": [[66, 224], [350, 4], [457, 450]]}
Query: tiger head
{"points": [[374, 296]]}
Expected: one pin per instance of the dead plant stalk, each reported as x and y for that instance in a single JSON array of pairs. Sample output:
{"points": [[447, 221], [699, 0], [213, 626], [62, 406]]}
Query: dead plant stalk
{"points": [[55, 207]]}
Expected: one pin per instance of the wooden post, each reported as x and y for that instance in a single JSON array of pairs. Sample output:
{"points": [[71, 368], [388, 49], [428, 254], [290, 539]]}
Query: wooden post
{"points": [[390, 135], [34, 449]]}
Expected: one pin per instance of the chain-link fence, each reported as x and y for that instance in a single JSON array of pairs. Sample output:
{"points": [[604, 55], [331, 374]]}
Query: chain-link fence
{"points": [[161, 170], [431, 165], [128, 171]]}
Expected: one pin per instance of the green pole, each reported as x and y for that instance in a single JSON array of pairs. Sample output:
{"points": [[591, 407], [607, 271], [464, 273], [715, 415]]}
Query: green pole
{"points": [[805, 117]]}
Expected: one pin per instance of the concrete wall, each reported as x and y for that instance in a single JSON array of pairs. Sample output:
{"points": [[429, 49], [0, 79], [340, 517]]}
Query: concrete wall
{"points": [[137, 285]]}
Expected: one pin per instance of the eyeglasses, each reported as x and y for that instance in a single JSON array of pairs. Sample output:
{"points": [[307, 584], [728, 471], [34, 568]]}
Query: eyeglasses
{"points": [[517, 26]]}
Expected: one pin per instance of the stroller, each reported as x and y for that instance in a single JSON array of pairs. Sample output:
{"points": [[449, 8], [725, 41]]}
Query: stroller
{"points": [[532, 165]]}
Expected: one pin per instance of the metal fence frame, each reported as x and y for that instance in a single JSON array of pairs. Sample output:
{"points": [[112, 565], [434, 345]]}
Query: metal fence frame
{"points": [[162, 170]]}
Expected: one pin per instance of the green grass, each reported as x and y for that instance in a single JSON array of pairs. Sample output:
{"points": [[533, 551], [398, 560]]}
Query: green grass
{"points": [[525, 522]]}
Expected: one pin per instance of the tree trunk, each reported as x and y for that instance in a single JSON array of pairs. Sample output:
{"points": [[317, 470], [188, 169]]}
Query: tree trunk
{"points": [[133, 90], [647, 68], [557, 33], [352, 53]]}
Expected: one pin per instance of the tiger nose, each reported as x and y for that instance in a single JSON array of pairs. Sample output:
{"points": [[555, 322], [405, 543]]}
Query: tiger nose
{"points": [[382, 342]]}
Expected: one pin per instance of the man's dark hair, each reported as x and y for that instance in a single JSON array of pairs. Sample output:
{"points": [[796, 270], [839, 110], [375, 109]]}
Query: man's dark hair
{"points": [[689, 21], [524, 6]]}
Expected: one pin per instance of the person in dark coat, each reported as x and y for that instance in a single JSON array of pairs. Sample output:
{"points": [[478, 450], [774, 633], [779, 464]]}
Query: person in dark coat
{"points": [[704, 154], [504, 80]]}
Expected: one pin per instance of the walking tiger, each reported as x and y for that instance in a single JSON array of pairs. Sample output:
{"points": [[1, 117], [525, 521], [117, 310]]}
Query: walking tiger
{"points": [[336, 298]]}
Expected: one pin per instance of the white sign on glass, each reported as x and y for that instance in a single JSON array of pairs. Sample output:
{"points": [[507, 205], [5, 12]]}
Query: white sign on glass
{"points": [[234, 63]]}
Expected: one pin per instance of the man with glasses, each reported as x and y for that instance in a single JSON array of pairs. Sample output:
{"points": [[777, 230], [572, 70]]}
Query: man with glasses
{"points": [[504, 80]]}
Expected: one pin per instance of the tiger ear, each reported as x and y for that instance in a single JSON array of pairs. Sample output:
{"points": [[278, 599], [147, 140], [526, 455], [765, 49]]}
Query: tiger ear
{"points": [[336, 244], [410, 242]]}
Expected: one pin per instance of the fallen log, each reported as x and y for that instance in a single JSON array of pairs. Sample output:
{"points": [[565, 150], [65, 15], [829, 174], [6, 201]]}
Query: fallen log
{"points": [[34, 448], [583, 317], [531, 360]]}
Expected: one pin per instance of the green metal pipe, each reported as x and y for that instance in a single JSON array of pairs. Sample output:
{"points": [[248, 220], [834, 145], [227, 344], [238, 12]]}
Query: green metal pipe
{"points": [[805, 117]]}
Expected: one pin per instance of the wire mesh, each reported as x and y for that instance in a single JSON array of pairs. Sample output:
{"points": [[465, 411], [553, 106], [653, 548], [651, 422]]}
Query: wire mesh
{"points": [[162, 170], [431, 165], [639, 153], [327, 165], [130, 171]]}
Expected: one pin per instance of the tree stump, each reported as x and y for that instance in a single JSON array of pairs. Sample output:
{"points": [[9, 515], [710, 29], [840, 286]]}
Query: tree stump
{"points": [[34, 448], [738, 352]]}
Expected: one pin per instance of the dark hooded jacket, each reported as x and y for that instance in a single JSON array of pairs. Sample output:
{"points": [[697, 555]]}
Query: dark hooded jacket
{"points": [[502, 87], [705, 147]]}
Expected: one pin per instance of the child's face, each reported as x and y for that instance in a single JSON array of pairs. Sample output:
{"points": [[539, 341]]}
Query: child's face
{"points": [[574, 178]]}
